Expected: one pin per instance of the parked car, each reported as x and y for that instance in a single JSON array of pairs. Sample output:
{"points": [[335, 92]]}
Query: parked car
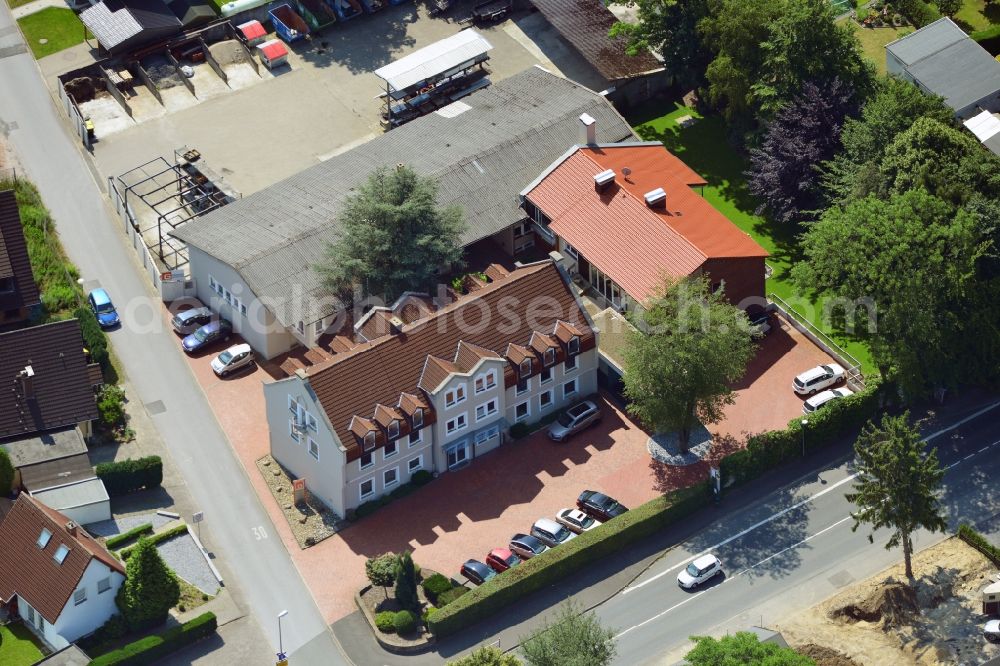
{"points": [[550, 532], [501, 559], [526, 546], [237, 357], [817, 379], [476, 572], [576, 520], [599, 505], [578, 417], [701, 570], [991, 631], [820, 399], [189, 321], [103, 308], [760, 321], [207, 335]]}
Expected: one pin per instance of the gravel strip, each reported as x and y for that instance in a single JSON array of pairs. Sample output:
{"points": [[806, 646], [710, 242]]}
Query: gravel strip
{"points": [[106, 528], [183, 556]]}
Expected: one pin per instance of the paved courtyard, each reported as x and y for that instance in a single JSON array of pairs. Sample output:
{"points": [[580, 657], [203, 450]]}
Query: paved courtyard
{"points": [[464, 514]]}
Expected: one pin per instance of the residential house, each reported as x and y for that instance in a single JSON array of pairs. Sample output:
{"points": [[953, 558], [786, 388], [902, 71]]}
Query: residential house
{"points": [[437, 393], [627, 215], [55, 576], [121, 26], [254, 259], [19, 297]]}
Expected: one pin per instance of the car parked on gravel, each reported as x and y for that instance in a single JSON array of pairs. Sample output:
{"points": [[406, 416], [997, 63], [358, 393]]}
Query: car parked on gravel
{"points": [[820, 399], [551, 532], [526, 546], [599, 505], [818, 378], [476, 572], [576, 520], [701, 570], [501, 559]]}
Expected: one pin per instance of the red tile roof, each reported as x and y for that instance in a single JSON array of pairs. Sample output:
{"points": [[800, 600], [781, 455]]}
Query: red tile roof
{"points": [[633, 244], [30, 572]]}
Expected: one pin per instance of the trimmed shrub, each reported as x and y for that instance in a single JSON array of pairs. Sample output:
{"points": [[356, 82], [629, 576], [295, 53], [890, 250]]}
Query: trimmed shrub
{"points": [[979, 542], [381, 569], [6, 474], [126, 476], [94, 337], [111, 405], [151, 648], [428, 612], [406, 582], [402, 491], [449, 596], [133, 534], [150, 589], [404, 622], [421, 478], [385, 622], [520, 430], [157, 538], [435, 585]]}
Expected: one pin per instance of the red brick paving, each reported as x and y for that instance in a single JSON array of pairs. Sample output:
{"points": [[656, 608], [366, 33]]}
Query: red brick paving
{"points": [[464, 514]]}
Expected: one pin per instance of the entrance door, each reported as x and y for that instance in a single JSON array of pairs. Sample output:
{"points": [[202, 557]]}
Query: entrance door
{"points": [[458, 456]]}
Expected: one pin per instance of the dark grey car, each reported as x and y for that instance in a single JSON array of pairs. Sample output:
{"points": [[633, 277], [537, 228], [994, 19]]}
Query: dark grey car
{"points": [[189, 321], [578, 417]]}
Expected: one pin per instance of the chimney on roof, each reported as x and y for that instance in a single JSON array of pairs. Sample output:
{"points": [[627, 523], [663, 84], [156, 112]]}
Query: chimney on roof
{"points": [[26, 381], [656, 198], [71, 528], [396, 323], [588, 129], [603, 180]]}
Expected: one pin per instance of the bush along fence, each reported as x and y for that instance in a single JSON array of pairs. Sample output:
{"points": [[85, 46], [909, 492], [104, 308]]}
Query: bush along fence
{"points": [[126, 476], [149, 649], [133, 534], [158, 538], [763, 453], [420, 478], [979, 542]]}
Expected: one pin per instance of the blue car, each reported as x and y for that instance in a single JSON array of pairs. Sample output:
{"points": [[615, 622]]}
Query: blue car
{"points": [[103, 308], [207, 335]]}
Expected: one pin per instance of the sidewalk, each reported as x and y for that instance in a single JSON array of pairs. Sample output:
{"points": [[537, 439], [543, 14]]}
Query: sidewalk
{"points": [[591, 587], [36, 6]]}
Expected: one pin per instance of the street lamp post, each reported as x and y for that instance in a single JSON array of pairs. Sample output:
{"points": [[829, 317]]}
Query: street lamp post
{"points": [[281, 645], [805, 422]]}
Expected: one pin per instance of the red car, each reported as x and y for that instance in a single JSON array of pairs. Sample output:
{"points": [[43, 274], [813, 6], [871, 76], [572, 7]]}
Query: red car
{"points": [[501, 559]]}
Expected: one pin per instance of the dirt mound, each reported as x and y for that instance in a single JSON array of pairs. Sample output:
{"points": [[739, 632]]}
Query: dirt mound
{"points": [[81, 88], [228, 52], [892, 603], [824, 656]]}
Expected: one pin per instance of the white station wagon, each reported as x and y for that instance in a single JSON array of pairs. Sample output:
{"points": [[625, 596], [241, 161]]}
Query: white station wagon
{"points": [[817, 401], [817, 379]]}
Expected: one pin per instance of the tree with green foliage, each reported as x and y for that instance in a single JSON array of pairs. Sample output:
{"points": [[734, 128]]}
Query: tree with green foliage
{"points": [[913, 258], [669, 27], [948, 7], [111, 405], [680, 366], [393, 237], [487, 656], [741, 649], [898, 484], [150, 589], [381, 569], [406, 582], [573, 639], [6, 474]]}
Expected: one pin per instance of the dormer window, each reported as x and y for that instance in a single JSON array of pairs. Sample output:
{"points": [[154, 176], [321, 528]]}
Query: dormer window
{"points": [[486, 381], [525, 367], [394, 430], [369, 441], [418, 417], [60, 555], [549, 356], [574, 345], [454, 396], [43, 538]]}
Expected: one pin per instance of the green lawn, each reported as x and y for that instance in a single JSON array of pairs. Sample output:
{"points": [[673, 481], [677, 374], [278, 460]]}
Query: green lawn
{"points": [[17, 3], [704, 148], [977, 15], [873, 41], [58, 25], [18, 646]]}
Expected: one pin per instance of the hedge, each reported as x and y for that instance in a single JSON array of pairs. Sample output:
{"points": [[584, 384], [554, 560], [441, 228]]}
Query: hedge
{"points": [[435, 585], [149, 649], [368, 508], [554, 565], [126, 476], [94, 337], [385, 622], [131, 535], [404, 622], [158, 538], [979, 542]]}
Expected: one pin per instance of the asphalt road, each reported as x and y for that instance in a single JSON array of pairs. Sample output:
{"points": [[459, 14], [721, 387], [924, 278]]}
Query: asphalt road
{"points": [[789, 551], [237, 525]]}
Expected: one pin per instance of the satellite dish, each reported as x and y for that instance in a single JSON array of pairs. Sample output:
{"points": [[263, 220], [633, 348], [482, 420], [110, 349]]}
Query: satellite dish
{"points": [[626, 172]]}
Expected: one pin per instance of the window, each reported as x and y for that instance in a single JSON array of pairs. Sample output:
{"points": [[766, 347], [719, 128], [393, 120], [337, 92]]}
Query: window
{"points": [[301, 326], [229, 297], [80, 596], [521, 412], [212, 284], [243, 309], [313, 448], [366, 461], [292, 430], [454, 396], [367, 489], [549, 356], [390, 477], [311, 422], [43, 538], [486, 409], [486, 381], [458, 455], [522, 386], [369, 441], [60, 555], [418, 418], [569, 364], [574, 345], [103, 585], [522, 229], [415, 464], [318, 327], [545, 376], [569, 388], [487, 434], [571, 251], [456, 424], [544, 399], [293, 405], [394, 430], [415, 438], [389, 450]]}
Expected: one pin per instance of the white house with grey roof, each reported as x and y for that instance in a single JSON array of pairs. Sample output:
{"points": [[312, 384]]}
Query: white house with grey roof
{"points": [[253, 260], [941, 59]]}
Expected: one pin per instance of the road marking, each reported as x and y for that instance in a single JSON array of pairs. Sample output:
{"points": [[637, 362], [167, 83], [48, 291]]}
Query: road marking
{"points": [[793, 546], [658, 616], [801, 503], [259, 533]]}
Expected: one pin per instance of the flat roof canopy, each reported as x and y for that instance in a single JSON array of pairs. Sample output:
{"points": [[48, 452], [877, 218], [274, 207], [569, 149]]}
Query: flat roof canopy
{"points": [[435, 59]]}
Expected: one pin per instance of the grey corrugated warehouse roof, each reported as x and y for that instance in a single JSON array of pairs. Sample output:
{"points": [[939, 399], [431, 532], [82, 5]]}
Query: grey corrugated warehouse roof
{"points": [[482, 158], [947, 62]]}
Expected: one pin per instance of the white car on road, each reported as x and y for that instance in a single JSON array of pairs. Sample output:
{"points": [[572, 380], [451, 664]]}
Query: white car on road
{"points": [[817, 379], [699, 571], [817, 401]]}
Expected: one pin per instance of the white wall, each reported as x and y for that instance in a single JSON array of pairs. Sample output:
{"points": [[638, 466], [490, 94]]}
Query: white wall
{"points": [[89, 513], [75, 620], [40, 625]]}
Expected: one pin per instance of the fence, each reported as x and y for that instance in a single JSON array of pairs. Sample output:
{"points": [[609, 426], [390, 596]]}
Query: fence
{"points": [[854, 375], [127, 216], [73, 112]]}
